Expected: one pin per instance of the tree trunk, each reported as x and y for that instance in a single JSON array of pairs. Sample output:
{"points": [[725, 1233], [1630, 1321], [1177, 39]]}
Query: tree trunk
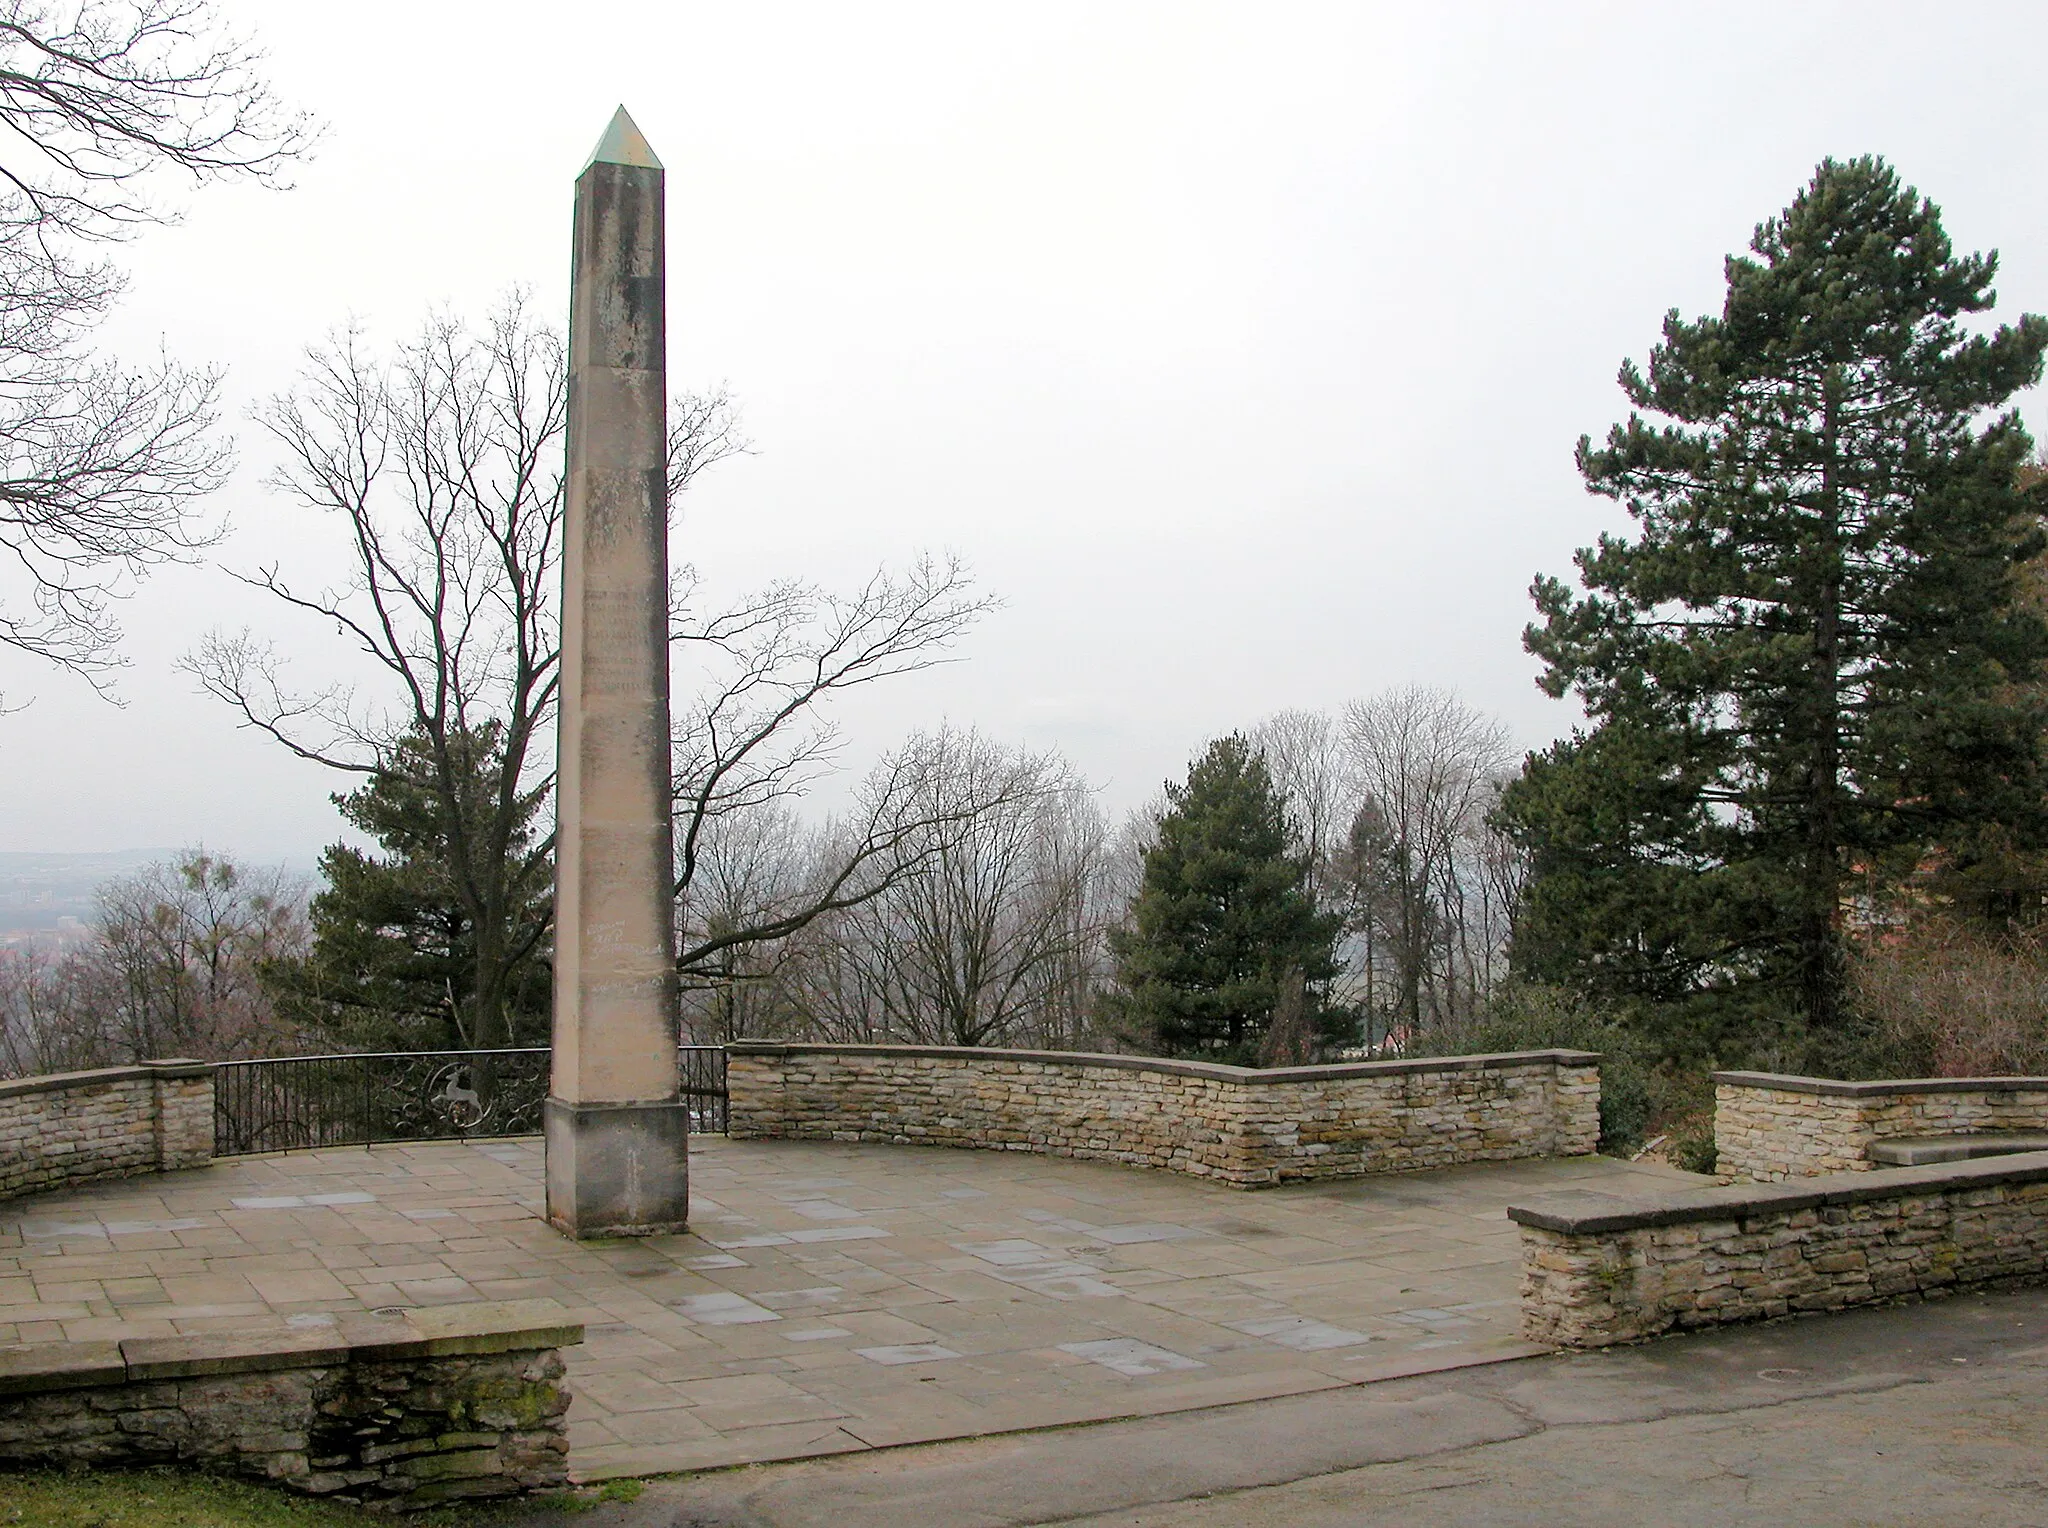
{"points": [[1819, 960]]}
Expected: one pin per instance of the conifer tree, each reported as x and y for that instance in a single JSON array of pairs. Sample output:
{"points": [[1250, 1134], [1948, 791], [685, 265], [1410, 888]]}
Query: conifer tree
{"points": [[1223, 926], [1806, 672], [415, 949]]}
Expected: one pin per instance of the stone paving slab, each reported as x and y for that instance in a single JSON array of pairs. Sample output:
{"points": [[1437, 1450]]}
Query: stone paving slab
{"points": [[828, 1298], [1907, 1415]]}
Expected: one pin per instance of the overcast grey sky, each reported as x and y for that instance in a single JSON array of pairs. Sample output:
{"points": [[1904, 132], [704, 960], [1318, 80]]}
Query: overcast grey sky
{"points": [[1241, 349]]}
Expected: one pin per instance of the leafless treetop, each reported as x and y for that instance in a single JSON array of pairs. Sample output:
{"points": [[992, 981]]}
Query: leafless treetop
{"points": [[102, 466], [97, 94]]}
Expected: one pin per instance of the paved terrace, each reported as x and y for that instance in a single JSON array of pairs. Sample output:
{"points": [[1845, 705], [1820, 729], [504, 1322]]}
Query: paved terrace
{"points": [[830, 1298]]}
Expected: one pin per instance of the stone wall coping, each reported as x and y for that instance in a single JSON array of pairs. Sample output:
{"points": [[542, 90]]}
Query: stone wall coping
{"points": [[1583, 1212], [1883, 1088], [38, 1367], [1209, 1069], [440, 1331], [179, 1066], [1926, 1150], [55, 1082]]}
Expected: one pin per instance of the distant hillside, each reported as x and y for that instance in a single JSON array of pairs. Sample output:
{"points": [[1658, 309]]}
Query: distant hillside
{"points": [[38, 891]]}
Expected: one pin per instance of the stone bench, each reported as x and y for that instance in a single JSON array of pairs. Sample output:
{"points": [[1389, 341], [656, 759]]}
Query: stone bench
{"points": [[445, 1403], [1931, 1150]]}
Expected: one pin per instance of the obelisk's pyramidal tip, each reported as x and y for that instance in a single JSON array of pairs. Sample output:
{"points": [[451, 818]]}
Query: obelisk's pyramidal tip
{"points": [[623, 143]]}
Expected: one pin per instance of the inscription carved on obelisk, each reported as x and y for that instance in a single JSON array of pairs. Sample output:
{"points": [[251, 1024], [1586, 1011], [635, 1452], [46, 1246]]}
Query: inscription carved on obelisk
{"points": [[617, 1129]]}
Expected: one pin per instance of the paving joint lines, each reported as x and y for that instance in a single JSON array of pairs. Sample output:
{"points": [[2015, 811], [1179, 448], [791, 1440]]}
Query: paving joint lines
{"points": [[1876, 1400], [828, 1298]]}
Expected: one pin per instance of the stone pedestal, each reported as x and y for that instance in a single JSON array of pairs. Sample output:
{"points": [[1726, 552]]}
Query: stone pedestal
{"points": [[617, 1130], [618, 1169]]}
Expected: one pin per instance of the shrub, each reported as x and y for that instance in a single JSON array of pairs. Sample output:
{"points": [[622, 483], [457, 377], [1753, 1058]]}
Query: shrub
{"points": [[1691, 1144], [1528, 1016], [1940, 1000]]}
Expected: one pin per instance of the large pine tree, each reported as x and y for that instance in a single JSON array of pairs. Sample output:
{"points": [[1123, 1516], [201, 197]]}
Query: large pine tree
{"points": [[1223, 931], [441, 941], [1806, 673]]}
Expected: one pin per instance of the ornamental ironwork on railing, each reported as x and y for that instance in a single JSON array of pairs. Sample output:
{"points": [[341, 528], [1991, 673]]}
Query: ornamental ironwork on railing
{"points": [[289, 1103]]}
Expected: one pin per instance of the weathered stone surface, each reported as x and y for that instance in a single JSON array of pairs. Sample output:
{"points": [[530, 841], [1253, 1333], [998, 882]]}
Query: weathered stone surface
{"points": [[193, 1357], [1236, 1125], [1926, 1151], [616, 1013], [73, 1127], [394, 1416], [618, 1169], [75, 1365], [492, 1326], [1769, 1127], [1598, 1270]]}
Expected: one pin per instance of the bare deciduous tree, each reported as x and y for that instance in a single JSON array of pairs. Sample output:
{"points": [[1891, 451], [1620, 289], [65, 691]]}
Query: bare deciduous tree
{"points": [[179, 950], [980, 923], [1425, 880], [916, 805], [443, 467], [1305, 754], [753, 869], [38, 1010], [102, 465], [173, 968], [758, 734], [1129, 842], [986, 940]]}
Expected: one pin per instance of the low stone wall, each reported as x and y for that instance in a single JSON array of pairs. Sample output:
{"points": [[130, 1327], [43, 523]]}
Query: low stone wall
{"points": [[445, 1403], [1597, 1269], [75, 1126], [1244, 1127], [1769, 1127]]}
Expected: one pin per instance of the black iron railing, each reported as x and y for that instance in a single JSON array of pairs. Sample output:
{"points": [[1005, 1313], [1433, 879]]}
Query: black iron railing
{"points": [[703, 1080], [290, 1103]]}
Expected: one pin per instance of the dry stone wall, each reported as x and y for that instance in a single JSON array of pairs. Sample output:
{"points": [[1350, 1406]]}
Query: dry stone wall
{"points": [[442, 1404], [1769, 1127], [1597, 1270], [1243, 1127], [76, 1126]]}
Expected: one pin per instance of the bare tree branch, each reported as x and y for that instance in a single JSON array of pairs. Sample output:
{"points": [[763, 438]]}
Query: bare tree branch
{"points": [[953, 904], [995, 936], [1422, 864], [102, 466], [173, 967], [703, 430], [756, 735], [100, 94]]}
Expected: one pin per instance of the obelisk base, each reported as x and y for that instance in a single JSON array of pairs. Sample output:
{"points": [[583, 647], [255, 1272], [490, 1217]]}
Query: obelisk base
{"points": [[618, 1169]]}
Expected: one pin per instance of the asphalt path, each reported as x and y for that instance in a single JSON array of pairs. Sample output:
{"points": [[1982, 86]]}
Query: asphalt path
{"points": [[1921, 1414]]}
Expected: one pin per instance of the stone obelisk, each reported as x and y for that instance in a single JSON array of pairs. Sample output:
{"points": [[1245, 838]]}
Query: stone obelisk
{"points": [[617, 1128]]}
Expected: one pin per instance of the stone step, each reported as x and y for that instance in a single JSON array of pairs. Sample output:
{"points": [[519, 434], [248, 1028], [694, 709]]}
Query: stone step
{"points": [[1927, 1150]]}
